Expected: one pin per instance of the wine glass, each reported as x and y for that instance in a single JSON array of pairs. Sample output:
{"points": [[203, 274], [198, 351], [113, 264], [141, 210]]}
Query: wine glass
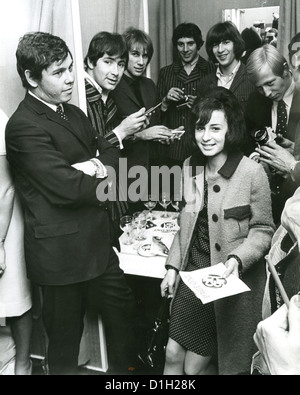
{"points": [[140, 223], [164, 201], [176, 203], [126, 226], [150, 204]]}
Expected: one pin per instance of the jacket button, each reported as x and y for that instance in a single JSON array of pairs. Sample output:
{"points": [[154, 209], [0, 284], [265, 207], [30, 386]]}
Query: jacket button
{"points": [[216, 188], [218, 247], [215, 218]]}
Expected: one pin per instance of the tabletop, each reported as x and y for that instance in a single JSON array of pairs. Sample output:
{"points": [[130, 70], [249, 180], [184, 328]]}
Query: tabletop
{"points": [[147, 257]]}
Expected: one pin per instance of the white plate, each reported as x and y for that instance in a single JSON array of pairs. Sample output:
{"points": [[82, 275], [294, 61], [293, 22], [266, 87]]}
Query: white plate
{"points": [[144, 250]]}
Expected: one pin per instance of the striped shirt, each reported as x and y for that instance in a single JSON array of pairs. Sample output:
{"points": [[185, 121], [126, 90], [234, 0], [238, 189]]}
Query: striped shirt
{"points": [[175, 75], [102, 118]]}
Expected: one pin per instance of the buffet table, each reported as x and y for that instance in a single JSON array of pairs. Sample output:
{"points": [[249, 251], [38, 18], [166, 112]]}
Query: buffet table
{"points": [[138, 259], [139, 262]]}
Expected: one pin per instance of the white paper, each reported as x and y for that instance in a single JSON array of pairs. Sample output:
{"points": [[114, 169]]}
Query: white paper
{"points": [[209, 285]]}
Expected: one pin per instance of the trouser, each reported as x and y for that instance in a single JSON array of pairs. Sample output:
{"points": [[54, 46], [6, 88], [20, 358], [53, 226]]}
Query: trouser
{"points": [[63, 314]]}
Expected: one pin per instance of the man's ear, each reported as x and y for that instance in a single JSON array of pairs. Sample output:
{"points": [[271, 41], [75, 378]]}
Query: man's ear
{"points": [[30, 80], [90, 64]]}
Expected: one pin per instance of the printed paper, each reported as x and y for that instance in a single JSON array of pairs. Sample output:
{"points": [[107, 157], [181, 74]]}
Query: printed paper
{"points": [[209, 284]]}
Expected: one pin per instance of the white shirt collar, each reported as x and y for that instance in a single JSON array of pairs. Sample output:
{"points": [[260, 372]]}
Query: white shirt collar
{"points": [[52, 106], [288, 96], [234, 71], [189, 67], [93, 82]]}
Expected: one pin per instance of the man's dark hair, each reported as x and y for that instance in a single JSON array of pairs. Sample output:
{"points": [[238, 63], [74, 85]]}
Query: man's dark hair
{"points": [[188, 30], [36, 52], [294, 50], [221, 32], [106, 43], [221, 99], [134, 37]]}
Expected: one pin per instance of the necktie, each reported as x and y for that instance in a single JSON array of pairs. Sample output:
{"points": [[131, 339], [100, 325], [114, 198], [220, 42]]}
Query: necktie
{"points": [[61, 113], [281, 118]]}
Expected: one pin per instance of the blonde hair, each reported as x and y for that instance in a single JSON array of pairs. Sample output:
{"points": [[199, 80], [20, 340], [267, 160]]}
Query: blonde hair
{"points": [[267, 54]]}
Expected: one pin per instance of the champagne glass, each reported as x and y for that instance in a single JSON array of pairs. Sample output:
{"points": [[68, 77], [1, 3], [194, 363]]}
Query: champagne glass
{"points": [[140, 223], [126, 226], [150, 204], [176, 203], [164, 201]]}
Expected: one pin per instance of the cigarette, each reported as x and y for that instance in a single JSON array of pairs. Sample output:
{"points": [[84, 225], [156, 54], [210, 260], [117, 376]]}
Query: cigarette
{"points": [[152, 108]]}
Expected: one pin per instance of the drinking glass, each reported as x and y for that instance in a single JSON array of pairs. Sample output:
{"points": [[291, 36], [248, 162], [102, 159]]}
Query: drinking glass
{"points": [[150, 204], [126, 226], [139, 223], [176, 203], [164, 201]]}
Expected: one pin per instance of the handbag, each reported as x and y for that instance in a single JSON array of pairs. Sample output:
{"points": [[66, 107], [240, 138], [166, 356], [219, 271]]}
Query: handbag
{"points": [[153, 350]]}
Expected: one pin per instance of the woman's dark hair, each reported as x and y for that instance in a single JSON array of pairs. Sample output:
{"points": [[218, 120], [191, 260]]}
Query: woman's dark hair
{"points": [[221, 99], [224, 31], [251, 38], [134, 37], [106, 43], [188, 30], [36, 52]]}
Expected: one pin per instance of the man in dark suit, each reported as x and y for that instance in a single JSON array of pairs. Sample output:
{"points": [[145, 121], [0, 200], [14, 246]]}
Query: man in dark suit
{"points": [[225, 46], [274, 104], [129, 96], [177, 87], [63, 171]]}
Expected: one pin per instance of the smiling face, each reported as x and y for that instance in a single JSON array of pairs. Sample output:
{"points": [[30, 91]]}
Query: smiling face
{"points": [[56, 85], [210, 138], [107, 72], [187, 49], [137, 62], [271, 85], [224, 53]]}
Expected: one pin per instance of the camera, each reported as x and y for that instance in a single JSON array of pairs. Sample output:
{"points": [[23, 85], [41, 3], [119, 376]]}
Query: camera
{"points": [[264, 135]]}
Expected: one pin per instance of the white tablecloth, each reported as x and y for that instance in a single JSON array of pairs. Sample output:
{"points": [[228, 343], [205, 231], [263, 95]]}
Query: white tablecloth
{"points": [[149, 266]]}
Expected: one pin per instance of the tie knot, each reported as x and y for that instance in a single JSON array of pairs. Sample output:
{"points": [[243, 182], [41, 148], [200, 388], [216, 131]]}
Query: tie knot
{"points": [[61, 113]]}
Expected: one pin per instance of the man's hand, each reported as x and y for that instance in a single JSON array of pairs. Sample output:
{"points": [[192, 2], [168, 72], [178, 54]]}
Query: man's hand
{"points": [[278, 339], [191, 101], [174, 95], [158, 133], [132, 124], [277, 157], [286, 143]]}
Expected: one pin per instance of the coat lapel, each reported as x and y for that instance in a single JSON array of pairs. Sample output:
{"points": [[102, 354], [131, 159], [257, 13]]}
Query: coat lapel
{"points": [[294, 116], [71, 126], [239, 78]]}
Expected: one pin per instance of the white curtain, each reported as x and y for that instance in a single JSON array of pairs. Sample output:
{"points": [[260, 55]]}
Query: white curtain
{"points": [[17, 18], [289, 24]]}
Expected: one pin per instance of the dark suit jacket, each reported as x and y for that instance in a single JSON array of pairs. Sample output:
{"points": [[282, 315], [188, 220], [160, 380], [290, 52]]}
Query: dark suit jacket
{"points": [[126, 101], [67, 229], [241, 86], [137, 152], [259, 113]]}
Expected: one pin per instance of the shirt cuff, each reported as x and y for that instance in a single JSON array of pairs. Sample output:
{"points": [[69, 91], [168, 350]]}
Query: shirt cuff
{"points": [[119, 138], [101, 171]]}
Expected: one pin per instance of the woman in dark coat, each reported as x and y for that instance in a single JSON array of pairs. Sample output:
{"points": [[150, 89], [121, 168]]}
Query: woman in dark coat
{"points": [[227, 218]]}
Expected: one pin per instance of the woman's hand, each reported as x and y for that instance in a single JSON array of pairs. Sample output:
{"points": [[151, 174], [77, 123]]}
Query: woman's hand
{"points": [[232, 266], [2, 259], [168, 283]]}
